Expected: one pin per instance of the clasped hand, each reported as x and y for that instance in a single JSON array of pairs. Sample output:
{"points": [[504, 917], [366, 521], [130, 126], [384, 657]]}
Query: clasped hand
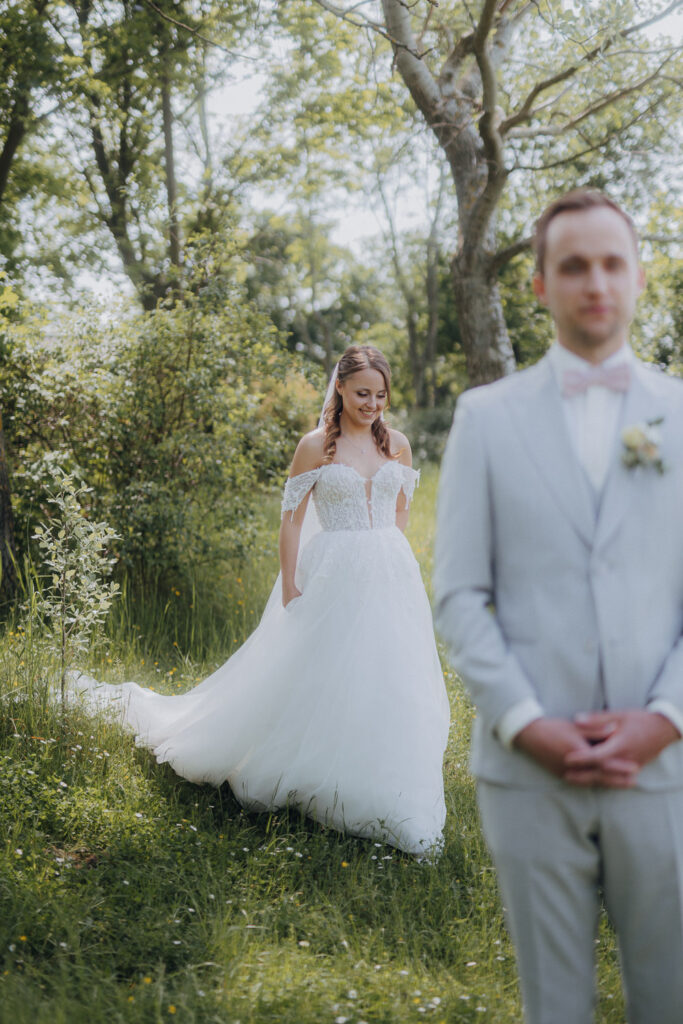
{"points": [[600, 748]]}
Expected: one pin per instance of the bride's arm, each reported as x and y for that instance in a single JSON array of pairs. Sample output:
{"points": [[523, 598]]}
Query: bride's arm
{"points": [[401, 444], [308, 456]]}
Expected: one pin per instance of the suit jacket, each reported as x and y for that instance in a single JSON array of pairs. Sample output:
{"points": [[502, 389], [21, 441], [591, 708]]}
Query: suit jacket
{"points": [[543, 592]]}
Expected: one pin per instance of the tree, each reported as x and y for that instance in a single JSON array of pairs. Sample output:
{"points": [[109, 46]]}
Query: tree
{"points": [[104, 130], [314, 291], [136, 60], [591, 84], [32, 72]]}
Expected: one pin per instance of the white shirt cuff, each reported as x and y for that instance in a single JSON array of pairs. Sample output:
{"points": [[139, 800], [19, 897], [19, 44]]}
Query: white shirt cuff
{"points": [[517, 718], [670, 711]]}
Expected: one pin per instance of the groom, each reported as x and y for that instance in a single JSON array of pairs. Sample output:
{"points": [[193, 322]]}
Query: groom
{"points": [[559, 588]]}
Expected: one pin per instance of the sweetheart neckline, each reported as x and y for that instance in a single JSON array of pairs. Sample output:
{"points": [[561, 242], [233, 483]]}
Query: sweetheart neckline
{"points": [[366, 479]]}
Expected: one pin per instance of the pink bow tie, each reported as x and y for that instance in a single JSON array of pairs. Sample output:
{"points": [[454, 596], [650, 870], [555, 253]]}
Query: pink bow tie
{"points": [[616, 378]]}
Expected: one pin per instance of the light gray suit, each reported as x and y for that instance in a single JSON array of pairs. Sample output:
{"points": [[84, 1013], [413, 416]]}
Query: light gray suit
{"points": [[545, 589]]}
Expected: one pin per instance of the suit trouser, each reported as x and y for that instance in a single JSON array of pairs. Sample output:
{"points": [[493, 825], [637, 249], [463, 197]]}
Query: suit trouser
{"points": [[555, 850]]}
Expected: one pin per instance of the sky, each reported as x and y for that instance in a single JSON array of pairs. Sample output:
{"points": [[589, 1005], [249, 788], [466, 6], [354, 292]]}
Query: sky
{"points": [[354, 225]]}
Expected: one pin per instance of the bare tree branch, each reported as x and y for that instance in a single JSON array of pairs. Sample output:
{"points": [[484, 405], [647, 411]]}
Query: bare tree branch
{"points": [[504, 256], [525, 112], [343, 14], [196, 33], [663, 239], [593, 108], [487, 200], [573, 157]]}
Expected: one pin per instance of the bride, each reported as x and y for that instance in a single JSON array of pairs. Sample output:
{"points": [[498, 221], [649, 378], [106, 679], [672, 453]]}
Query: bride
{"points": [[336, 703]]}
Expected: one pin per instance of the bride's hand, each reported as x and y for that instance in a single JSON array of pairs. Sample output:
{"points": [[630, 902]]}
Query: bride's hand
{"points": [[289, 594]]}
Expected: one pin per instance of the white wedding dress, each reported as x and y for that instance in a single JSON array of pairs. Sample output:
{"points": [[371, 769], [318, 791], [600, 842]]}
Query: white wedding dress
{"points": [[335, 704]]}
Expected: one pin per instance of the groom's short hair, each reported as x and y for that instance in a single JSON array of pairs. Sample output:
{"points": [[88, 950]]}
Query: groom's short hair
{"points": [[576, 200]]}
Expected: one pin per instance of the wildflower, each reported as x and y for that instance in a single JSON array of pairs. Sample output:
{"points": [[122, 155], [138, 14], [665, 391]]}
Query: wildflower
{"points": [[171, 1008], [22, 938], [304, 942], [147, 980], [345, 864]]}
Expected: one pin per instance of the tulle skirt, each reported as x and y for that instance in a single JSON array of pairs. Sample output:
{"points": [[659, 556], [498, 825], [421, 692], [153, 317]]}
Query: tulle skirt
{"points": [[335, 705]]}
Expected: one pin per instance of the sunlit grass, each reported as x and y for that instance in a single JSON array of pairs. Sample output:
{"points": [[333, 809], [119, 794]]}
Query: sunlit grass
{"points": [[129, 895]]}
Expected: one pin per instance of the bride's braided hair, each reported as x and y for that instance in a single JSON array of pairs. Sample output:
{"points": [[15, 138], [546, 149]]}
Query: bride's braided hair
{"points": [[355, 358]]}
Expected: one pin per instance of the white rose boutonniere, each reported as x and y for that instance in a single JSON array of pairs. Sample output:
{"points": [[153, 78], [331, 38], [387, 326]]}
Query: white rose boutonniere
{"points": [[641, 445]]}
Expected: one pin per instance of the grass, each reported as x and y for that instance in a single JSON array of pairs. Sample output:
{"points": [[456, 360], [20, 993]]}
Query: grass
{"points": [[129, 895]]}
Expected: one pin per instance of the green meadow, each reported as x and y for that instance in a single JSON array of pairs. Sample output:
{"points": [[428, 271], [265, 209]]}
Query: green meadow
{"points": [[129, 895]]}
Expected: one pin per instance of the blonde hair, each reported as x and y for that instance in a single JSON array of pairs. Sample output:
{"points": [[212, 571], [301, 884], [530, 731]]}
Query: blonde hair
{"points": [[354, 359]]}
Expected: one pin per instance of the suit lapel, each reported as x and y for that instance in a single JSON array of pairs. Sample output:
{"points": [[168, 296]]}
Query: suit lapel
{"points": [[540, 419], [640, 405]]}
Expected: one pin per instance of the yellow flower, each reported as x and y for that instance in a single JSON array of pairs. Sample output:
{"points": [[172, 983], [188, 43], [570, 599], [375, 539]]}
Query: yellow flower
{"points": [[171, 1008], [633, 437], [147, 980], [22, 938], [345, 864]]}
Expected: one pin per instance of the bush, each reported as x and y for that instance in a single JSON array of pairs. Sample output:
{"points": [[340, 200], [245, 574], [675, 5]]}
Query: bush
{"points": [[179, 420]]}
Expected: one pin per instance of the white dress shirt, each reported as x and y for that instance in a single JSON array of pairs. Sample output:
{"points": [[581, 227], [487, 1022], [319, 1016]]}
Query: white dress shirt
{"points": [[592, 419]]}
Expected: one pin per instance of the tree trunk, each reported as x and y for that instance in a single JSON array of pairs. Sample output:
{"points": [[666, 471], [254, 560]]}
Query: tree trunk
{"points": [[473, 151], [8, 551], [171, 189], [416, 354], [488, 351], [18, 123]]}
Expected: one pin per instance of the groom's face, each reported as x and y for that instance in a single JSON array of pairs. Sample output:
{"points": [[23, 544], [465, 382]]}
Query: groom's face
{"points": [[591, 280]]}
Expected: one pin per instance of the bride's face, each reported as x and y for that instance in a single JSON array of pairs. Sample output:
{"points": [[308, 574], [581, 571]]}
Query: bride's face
{"points": [[364, 396]]}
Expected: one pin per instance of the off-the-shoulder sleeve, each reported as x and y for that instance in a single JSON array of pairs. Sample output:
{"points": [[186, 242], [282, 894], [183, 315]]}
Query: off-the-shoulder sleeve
{"points": [[411, 478], [296, 489]]}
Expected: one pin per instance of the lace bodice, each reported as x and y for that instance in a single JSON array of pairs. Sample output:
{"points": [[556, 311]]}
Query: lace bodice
{"points": [[344, 500]]}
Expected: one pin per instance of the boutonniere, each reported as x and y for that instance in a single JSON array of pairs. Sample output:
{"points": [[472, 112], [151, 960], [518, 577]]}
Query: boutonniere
{"points": [[641, 445]]}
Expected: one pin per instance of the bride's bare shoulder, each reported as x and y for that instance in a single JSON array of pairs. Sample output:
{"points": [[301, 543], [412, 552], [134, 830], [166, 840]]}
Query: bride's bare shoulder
{"points": [[309, 452], [400, 446]]}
